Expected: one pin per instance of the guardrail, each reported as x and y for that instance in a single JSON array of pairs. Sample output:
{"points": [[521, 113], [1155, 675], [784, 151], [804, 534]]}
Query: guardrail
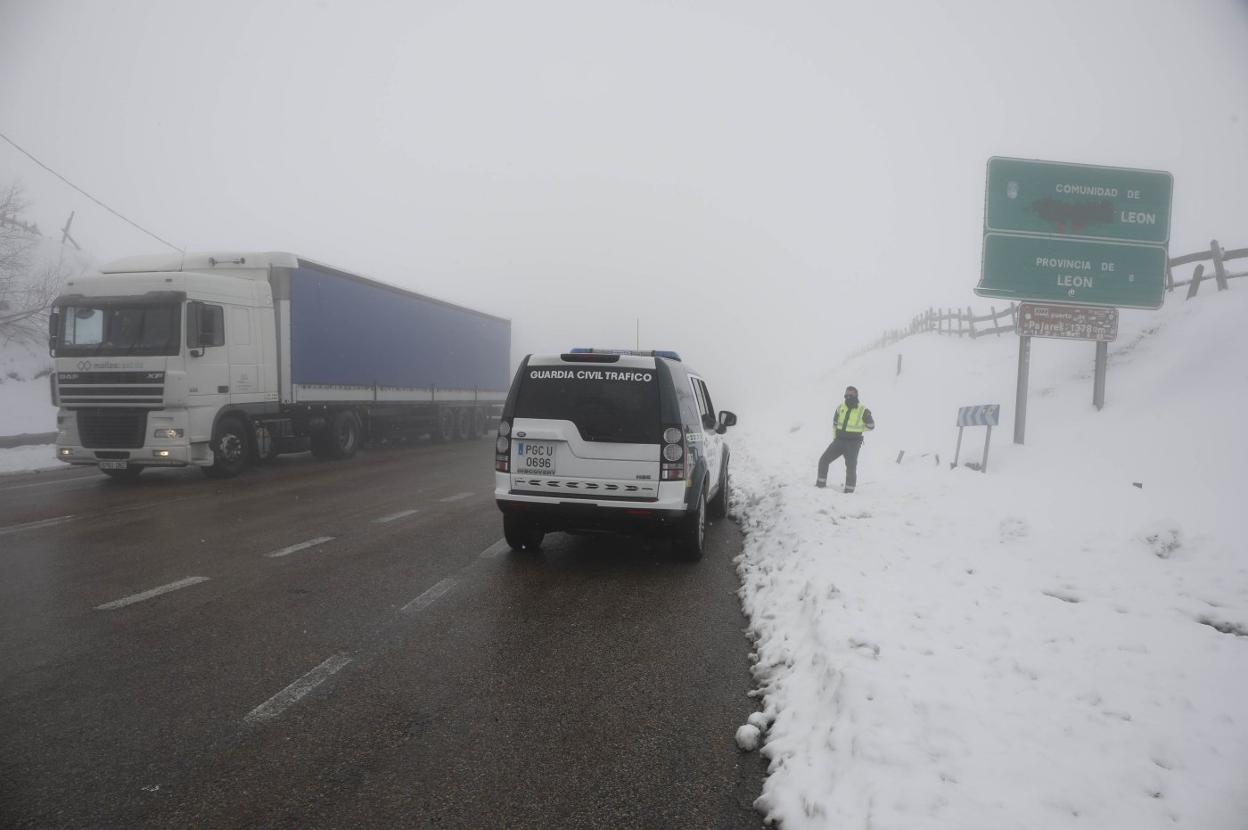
{"points": [[958, 322]]}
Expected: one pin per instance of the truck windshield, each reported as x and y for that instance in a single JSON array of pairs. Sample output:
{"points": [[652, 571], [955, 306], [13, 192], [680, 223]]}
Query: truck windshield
{"points": [[613, 405], [111, 330]]}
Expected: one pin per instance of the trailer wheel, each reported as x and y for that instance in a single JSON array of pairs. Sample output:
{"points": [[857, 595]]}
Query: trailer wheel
{"points": [[463, 424], [344, 434], [231, 449], [446, 426], [478, 422]]}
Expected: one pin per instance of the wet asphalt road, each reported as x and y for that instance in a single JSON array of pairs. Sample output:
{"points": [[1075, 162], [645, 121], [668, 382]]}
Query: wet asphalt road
{"points": [[406, 671]]}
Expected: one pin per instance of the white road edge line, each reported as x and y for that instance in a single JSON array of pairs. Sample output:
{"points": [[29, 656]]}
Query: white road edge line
{"points": [[402, 514], [456, 497], [68, 479], [154, 592], [495, 549], [291, 695], [429, 597], [35, 525], [311, 543]]}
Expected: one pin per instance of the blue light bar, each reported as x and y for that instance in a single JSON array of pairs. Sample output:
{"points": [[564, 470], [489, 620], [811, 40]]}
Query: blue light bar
{"points": [[670, 355]]}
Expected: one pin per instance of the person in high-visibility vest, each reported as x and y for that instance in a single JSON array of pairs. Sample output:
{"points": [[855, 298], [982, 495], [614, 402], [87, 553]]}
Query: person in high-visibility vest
{"points": [[852, 420]]}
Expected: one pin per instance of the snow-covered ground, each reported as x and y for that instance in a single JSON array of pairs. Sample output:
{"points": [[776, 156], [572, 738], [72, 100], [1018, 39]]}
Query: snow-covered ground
{"points": [[25, 392], [25, 459], [26, 407], [1059, 642]]}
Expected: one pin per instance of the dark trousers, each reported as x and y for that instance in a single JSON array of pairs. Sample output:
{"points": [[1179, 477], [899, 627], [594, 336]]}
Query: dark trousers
{"points": [[847, 447]]}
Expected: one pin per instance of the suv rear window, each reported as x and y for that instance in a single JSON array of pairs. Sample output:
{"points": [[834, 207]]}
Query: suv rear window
{"points": [[613, 405]]}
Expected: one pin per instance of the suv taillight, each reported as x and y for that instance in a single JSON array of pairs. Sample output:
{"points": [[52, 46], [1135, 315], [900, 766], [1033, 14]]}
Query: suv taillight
{"points": [[502, 447], [673, 457]]}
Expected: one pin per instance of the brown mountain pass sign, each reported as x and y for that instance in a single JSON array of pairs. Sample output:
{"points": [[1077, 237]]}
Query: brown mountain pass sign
{"points": [[1116, 204], [1068, 322]]}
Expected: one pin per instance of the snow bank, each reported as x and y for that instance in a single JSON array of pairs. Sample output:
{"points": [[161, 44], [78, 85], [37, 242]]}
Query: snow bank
{"points": [[25, 391], [25, 459], [1059, 642]]}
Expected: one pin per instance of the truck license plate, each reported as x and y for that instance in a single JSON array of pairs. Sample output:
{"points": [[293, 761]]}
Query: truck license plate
{"points": [[535, 458], [112, 465]]}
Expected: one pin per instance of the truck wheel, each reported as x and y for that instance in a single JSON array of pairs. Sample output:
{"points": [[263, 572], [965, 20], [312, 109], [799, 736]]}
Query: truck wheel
{"points": [[129, 475], [522, 534], [231, 451], [691, 535], [717, 508], [478, 422], [463, 424], [344, 434], [446, 426]]}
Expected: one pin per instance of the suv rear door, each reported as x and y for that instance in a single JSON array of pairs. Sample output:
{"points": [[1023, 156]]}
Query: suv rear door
{"points": [[588, 430]]}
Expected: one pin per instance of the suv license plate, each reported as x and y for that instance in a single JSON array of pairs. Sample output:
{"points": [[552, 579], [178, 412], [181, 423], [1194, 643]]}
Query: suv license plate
{"points": [[535, 458], [112, 465]]}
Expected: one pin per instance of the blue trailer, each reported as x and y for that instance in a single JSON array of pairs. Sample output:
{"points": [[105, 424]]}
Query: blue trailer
{"points": [[220, 360]]}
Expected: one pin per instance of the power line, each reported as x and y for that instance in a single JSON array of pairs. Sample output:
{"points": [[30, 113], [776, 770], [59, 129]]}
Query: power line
{"points": [[24, 152]]}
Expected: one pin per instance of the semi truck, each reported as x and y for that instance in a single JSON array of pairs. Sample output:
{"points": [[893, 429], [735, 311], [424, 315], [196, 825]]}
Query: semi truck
{"points": [[223, 360]]}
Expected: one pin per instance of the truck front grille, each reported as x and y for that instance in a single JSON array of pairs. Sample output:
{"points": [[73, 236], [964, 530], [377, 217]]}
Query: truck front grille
{"points": [[119, 428], [96, 389]]}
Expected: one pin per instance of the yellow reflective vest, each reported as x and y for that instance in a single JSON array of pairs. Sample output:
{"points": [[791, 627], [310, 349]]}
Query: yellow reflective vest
{"points": [[850, 420]]}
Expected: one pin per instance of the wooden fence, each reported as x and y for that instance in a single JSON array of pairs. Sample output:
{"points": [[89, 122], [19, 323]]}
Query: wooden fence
{"points": [[963, 322]]}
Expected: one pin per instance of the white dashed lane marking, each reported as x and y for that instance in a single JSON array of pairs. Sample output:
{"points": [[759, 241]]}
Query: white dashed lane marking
{"points": [[402, 514], [428, 597], [311, 543], [495, 549], [154, 592], [456, 497], [4, 531], [291, 695]]}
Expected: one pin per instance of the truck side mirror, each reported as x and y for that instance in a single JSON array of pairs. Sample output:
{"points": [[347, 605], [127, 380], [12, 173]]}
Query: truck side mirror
{"points": [[726, 419]]}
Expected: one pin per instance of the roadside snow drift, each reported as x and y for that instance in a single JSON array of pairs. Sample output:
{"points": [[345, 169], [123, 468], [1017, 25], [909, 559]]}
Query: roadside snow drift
{"points": [[1061, 641]]}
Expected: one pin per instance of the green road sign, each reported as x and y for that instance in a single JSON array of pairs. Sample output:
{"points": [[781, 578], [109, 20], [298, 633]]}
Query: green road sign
{"points": [[1081, 271], [1078, 200]]}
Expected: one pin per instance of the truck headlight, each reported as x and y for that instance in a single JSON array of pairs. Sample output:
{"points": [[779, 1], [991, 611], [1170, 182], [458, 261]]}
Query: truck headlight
{"points": [[167, 433]]}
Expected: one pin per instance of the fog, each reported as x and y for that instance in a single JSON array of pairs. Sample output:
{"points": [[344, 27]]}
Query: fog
{"points": [[762, 187]]}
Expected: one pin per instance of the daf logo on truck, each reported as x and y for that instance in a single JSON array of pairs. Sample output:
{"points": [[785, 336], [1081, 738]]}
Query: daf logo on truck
{"points": [[231, 359], [597, 440]]}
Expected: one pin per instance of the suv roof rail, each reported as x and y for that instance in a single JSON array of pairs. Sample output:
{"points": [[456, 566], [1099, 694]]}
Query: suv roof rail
{"points": [[666, 353]]}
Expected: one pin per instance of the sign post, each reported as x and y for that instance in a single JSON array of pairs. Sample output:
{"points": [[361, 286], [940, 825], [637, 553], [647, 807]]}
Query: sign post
{"points": [[1085, 241], [1020, 394], [985, 415], [1098, 382]]}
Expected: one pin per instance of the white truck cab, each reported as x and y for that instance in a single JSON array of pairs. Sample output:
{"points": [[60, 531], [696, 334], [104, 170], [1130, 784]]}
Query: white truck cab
{"points": [[594, 440]]}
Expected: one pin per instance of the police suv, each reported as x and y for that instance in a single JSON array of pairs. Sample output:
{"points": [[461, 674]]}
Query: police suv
{"points": [[606, 440]]}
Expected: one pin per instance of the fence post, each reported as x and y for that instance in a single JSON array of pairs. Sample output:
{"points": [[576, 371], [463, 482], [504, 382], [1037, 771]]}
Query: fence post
{"points": [[1169, 277], [1197, 275], [970, 321], [994, 320], [1219, 269]]}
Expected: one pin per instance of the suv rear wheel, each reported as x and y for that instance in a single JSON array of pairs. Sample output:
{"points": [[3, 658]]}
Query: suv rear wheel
{"points": [[690, 538], [717, 508], [522, 534]]}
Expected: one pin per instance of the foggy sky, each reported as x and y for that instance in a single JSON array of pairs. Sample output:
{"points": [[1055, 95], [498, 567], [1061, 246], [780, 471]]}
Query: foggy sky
{"points": [[765, 185]]}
